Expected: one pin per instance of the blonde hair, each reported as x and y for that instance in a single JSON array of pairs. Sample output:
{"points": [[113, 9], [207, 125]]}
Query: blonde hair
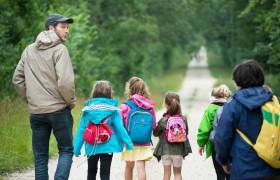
{"points": [[172, 100], [136, 85], [221, 91], [102, 89]]}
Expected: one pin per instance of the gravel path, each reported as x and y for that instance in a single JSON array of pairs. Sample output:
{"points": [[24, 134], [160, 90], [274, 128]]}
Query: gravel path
{"points": [[194, 97]]}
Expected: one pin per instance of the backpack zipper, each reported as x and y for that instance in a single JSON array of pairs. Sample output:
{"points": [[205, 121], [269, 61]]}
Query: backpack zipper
{"points": [[128, 124]]}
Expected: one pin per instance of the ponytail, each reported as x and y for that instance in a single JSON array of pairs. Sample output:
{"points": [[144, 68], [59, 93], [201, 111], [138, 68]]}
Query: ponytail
{"points": [[173, 102]]}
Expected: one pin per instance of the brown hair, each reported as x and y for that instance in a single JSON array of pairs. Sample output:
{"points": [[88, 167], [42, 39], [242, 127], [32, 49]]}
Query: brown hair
{"points": [[136, 85], [172, 100], [248, 74], [102, 89], [221, 91]]}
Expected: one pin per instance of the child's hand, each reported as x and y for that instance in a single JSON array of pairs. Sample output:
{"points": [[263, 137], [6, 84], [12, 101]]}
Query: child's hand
{"points": [[227, 168], [201, 150]]}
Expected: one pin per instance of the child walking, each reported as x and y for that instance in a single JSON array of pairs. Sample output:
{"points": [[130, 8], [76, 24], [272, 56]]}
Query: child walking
{"points": [[172, 130], [139, 119], [206, 130], [101, 130]]}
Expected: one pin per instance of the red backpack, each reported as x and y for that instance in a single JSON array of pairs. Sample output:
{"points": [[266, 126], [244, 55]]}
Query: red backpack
{"points": [[97, 133]]}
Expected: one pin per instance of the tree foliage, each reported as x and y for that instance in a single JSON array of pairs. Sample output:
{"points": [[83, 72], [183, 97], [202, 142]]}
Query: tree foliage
{"points": [[110, 39], [115, 40]]}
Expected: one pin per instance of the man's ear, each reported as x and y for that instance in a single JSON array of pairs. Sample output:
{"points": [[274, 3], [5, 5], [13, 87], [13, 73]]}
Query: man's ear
{"points": [[51, 27]]}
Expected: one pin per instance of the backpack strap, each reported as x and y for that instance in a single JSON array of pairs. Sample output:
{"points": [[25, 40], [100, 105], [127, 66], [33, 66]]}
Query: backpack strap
{"points": [[275, 100], [216, 120], [217, 117], [106, 119], [244, 137], [131, 104]]}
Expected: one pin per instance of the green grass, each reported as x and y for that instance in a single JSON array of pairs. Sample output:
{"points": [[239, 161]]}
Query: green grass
{"points": [[15, 136], [15, 131], [220, 71], [170, 81]]}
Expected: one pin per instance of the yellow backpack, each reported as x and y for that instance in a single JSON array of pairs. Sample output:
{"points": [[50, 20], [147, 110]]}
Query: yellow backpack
{"points": [[268, 141]]}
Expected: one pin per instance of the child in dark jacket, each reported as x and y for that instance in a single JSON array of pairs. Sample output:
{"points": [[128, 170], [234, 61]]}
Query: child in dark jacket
{"points": [[243, 112], [171, 154]]}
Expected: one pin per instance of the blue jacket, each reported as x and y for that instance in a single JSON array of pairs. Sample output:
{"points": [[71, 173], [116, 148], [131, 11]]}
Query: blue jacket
{"points": [[242, 112], [96, 110]]}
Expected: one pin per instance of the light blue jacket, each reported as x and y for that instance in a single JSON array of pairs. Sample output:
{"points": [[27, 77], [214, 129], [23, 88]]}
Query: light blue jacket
{"points": [[95, 111]]}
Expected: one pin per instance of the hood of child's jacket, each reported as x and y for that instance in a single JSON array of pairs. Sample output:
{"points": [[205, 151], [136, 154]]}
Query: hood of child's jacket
{"points": [[142, 101], [253, 97], [47, 39], [98, 109]]}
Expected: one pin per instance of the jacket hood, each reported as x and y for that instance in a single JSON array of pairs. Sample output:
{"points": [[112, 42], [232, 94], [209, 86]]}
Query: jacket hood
{"points": [[47, 39], [253, 97], [98, 109], [142, 102]]}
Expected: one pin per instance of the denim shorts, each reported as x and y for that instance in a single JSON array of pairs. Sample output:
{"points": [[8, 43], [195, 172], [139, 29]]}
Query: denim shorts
{"points": [[175, 160]]}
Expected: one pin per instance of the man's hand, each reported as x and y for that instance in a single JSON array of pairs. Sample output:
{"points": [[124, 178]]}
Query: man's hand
{"points": [[201, 150]]}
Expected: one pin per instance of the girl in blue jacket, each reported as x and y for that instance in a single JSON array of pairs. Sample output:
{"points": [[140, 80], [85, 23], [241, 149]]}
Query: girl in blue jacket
{"points": [[96, 110]]}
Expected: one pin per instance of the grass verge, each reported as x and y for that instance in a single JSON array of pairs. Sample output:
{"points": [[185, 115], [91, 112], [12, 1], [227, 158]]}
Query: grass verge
{"points": [[170, 81], [15, 136]]}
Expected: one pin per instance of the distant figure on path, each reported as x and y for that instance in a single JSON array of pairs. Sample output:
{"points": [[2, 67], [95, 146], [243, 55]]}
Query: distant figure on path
{"points": [[44, 77]]}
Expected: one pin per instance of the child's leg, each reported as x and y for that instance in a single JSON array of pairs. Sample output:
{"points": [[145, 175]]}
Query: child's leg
{"points": [[167, 172], [128, 172], [92, 167], [105, 166], [166, 162], [141, 170], [221, 175], [177, 166], [177, 173]]}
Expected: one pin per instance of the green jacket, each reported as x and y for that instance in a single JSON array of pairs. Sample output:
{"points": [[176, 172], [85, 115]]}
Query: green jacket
{"points": [[205, 127], [163, 147]]}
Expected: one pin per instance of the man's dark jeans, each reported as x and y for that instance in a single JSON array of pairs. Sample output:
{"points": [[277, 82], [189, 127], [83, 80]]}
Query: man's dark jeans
{"points": [[61, 122]]}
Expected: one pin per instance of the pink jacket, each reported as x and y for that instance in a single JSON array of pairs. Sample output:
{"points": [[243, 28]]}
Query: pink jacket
{"points": [[141, 102]]}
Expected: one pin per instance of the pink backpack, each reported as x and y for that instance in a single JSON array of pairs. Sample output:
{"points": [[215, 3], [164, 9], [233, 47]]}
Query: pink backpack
{"points": [[175, 130]]}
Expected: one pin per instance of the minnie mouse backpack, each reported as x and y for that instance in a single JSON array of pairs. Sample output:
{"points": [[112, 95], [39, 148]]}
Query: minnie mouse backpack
{"points": [[175, 130]]}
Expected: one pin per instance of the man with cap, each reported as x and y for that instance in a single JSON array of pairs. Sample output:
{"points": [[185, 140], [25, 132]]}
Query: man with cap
{"points": [[44, 78]]}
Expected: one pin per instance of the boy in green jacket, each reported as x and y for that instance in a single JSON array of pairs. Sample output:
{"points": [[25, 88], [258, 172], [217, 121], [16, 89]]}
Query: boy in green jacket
{"points": [[219, 96]]}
